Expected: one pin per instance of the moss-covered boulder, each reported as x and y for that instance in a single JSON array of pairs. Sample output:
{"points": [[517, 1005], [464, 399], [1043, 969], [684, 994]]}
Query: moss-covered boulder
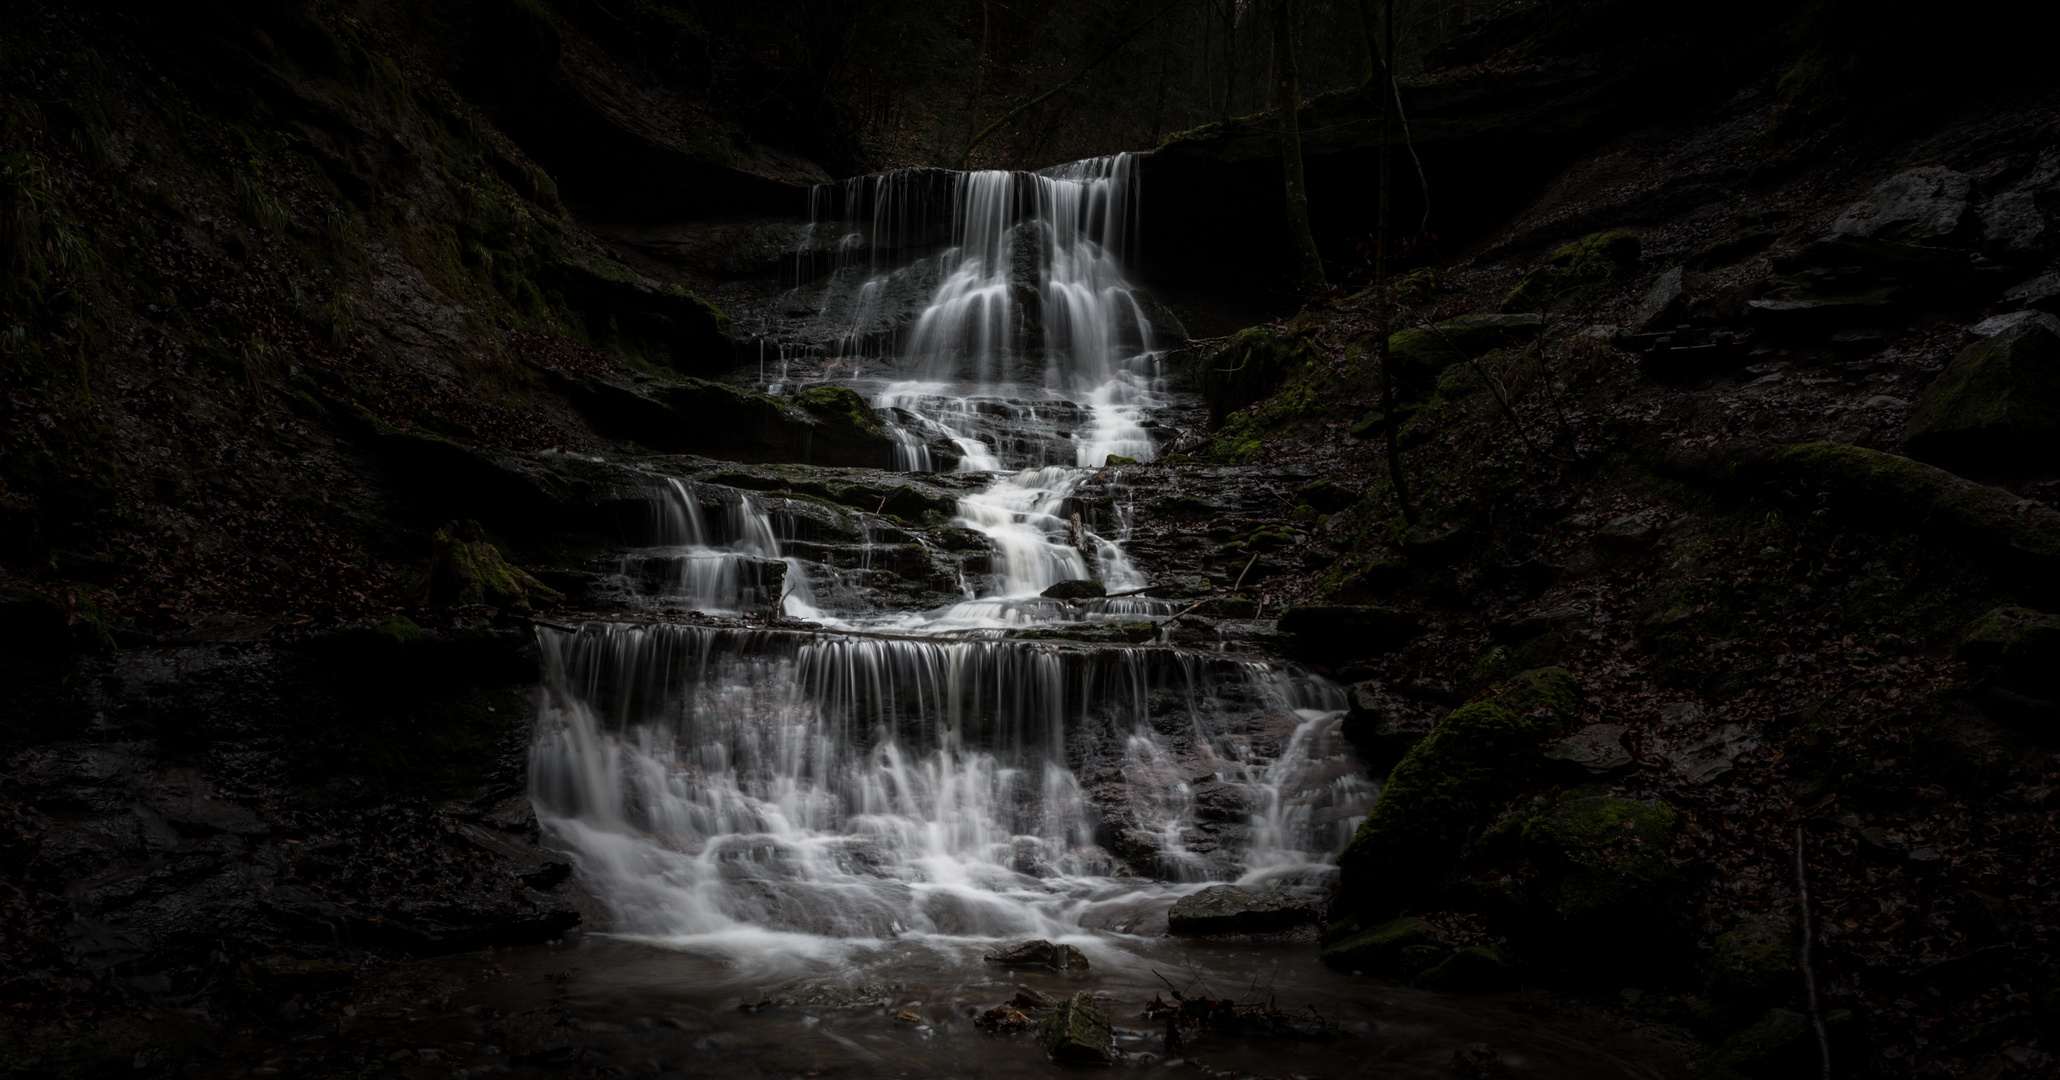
{"points": [[1754, 960], [840, 405], [1996, 406], [1473, 762], [1076, 589], [1078, 1032], [466, 568], [1401, 948], [1420, 353], [1585, 862], [1871, 487], [1476, 969], [1250, 365], [2012, 654], [1577, 272]]}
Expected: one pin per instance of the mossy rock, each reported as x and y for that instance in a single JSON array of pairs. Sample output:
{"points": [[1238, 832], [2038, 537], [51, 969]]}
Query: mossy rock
{"points": [[1865, 486], [1997, 405], [1590, 861], [1118, 459], [466, 568], [1250, 366], [1379, 951], [1476, 969], [2011, 655], [1577, 272], [1326, 496], [1754, 960], [1420, 353], [1078, 1032], [840, 404], [1471, 763]]}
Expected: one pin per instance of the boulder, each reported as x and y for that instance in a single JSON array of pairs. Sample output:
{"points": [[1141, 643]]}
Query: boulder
{"points": [[1078, 1032], [1592, 752], [1332, 632], [1039, 953], [1477, 757], [1326, 495], [1076, 589], [2013, 228], [1825, 299], [1920, 206], [1575, 272], [1578, 863], [1997, 405], [1233, 909], [1383, 726], [1664, 305], [2010, 321]]}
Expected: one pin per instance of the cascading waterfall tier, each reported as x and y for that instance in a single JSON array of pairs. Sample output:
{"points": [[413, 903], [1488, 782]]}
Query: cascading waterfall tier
{"points": [[716, 781]]}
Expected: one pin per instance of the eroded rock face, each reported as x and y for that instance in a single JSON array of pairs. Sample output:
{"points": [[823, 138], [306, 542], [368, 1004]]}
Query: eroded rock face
{"points": [[1232, 909]]}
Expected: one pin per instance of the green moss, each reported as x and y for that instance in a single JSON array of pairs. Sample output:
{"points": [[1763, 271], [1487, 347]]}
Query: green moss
{"points": [[466, 568], [840, 404], [1476, 969], [1118, 459], [1588, 860], [1473, 761], [1304, 512], [1379, 951], [1577, 271], [1754, 959]]}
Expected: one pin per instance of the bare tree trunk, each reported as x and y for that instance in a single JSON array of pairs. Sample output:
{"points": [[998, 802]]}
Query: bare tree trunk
{"points": [[1287, 99], [1383, 239], [1371, 69], [1229, 55]]}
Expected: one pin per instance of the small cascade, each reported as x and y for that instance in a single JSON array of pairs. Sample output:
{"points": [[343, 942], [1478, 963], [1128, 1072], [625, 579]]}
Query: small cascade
{"points": [[730, 565]]}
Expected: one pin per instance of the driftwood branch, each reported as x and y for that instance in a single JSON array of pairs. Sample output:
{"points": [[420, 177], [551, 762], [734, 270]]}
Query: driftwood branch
{"points": [[1809, 974]]}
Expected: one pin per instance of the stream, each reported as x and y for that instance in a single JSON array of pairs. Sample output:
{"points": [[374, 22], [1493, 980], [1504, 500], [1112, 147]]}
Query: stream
{"points": [[804, 832]]}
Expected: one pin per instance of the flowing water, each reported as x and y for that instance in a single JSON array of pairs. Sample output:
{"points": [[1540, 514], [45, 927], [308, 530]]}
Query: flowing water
{"points": [[846, 804]]}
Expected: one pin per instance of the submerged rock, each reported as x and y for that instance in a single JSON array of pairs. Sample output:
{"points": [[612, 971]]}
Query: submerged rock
{"points": [[1078, 1033], [1232, 909], [1399, 948], [1040, 953]]}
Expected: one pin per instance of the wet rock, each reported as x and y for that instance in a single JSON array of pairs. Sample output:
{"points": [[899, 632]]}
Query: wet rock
{"points": [[1476, 1060], [1327, 633], [1476, 969], [1232, 909], [534, 1038], [1078, 1032], [1628, 535], [1028, 998], [866, 996], [1920, 206], [1076, 589], [1040, 953], [1754, 959], [1219, 801], [2012, 321], [1665, 304], [1996, 405], [1478, 756], [1592, 752]]}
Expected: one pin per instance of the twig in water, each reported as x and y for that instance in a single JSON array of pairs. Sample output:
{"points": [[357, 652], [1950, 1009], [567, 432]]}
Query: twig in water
{"points": [[1802, 905]]}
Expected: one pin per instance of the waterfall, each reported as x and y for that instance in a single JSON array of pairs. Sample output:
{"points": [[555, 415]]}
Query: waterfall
{"points": [[895, 773]]}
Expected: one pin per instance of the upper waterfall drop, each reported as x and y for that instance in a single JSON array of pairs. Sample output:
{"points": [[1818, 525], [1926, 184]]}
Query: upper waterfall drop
{"points": [[1030, 345]]}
